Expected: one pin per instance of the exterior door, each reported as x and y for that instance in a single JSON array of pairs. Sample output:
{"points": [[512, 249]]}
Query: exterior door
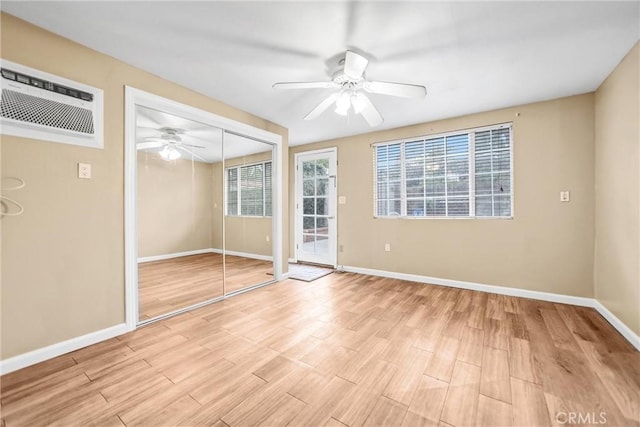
{"points": [[316, 189]]}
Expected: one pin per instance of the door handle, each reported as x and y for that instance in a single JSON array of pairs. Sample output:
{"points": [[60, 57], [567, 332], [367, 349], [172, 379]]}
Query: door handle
{"points": [[334, 180], [331, 217]]}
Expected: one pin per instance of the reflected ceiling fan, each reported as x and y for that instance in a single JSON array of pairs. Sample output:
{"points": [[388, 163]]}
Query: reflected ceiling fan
{"points": [[351, 85], [171, 143]]}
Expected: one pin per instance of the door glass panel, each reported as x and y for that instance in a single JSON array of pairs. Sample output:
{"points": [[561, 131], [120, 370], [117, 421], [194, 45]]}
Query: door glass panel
{"points": [[323, 186], [322, 206], [309, 224], [315, 212], [308, 169], [308, 206], [322, 225], [322, 244], [309, 188], [322, 167], [309, 243]]}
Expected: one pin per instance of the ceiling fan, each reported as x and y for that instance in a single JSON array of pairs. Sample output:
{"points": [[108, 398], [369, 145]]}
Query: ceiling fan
{"points": [[171, 143], [351, 85]]}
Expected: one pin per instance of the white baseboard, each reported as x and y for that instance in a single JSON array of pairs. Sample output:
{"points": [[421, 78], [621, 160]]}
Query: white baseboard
{"points": [[626, 332], [174, 255], [203, 251], [248, 255], [40, 355], [292, 260], [545, 296]]}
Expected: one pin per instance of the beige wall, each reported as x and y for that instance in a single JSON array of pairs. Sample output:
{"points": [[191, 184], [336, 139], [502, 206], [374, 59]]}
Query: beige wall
{"points": [[63, 259], [248, 235], [617, 130], [180, 208], [548, 246], [174, 205]]}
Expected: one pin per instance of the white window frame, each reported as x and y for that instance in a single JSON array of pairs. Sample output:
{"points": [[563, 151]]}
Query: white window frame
{"points": [[264, 203], [472, 173]]}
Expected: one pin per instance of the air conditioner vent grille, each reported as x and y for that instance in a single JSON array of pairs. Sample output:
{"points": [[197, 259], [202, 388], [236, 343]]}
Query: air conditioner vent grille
{"points": [[32, 109]]}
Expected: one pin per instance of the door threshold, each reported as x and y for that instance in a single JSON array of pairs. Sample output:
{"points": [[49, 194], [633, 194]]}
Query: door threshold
{"points": [[314, 264]]}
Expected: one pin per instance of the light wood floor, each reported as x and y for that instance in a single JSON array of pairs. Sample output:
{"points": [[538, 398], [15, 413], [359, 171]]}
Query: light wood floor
{"points": [[348, 350], [168, 285]]}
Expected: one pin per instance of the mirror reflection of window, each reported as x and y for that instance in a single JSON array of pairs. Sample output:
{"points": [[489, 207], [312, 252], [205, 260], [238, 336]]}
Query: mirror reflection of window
{"points": [[248, 195]]}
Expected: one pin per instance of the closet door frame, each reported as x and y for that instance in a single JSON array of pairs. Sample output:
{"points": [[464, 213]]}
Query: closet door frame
{"points": [[136, 97]]}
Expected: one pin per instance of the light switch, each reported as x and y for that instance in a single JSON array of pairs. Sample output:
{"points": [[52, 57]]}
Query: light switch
{"points": [[342, 200], [564, 196], [84, 170]]}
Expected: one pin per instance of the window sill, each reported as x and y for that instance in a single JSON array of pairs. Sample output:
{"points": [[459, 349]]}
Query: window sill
{"points": [[466, 218]]}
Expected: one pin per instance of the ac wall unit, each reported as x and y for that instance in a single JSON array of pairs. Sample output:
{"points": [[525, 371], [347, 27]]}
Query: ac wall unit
{"points": [[39, 105]]}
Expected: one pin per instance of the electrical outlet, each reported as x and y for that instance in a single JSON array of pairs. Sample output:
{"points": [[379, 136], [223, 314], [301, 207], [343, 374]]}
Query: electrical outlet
{"points": [[84, 170], [387, 247], [564, 196], [342, 200], [268, 238]]}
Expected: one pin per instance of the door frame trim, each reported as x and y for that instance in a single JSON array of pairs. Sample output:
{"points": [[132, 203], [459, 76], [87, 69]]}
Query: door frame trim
{"points": [[298, 190], [134, 97]]}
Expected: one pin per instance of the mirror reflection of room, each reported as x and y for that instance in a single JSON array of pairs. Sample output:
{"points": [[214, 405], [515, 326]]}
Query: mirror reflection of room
{"points": [[180, 261], [248, 171]]}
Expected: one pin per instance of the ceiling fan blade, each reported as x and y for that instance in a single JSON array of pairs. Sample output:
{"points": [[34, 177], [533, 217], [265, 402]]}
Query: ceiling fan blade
{"points": [[191, 153], [304, 85], [151, 144], [354, 65], [322, 106], [148, 132], [396, 89], [191, 145], [199, 137], [370, 113]]}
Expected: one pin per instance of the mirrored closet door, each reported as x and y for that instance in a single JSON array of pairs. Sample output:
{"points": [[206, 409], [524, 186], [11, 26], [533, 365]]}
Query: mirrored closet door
{"points": [[204, 213], [248, 171], [180, 247]]}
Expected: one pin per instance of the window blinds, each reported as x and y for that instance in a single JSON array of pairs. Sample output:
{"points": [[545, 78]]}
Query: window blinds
{"points": [[249, 190], [459, 174]]}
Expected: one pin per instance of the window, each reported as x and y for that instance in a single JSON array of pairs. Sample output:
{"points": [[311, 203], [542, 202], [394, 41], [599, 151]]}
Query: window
{"points": [[249, 189], [458, 174]]}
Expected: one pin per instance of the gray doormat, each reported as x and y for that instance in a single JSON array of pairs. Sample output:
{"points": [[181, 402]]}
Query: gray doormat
{"points": [[307, 273]]}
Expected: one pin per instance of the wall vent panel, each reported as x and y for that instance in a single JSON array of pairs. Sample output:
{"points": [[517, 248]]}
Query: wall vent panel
{"points": [[38, 105]]}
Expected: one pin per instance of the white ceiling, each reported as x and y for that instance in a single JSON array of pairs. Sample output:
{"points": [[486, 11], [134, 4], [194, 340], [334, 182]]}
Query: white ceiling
{"points": [[471, 56], [205, 141]]}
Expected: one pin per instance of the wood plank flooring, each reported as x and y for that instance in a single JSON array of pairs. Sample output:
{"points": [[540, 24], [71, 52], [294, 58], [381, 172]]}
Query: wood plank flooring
{"points": [[168, 285], [344, 350]]}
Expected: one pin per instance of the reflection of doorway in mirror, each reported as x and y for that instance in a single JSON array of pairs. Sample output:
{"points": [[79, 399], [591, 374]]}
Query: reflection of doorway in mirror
{"points": [[316, 207]]}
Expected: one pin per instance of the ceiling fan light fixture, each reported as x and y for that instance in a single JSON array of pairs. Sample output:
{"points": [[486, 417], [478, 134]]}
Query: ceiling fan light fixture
{"points": [[169, 153], [358, 102], [342, 111], [343, 103], [351, 84]]}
